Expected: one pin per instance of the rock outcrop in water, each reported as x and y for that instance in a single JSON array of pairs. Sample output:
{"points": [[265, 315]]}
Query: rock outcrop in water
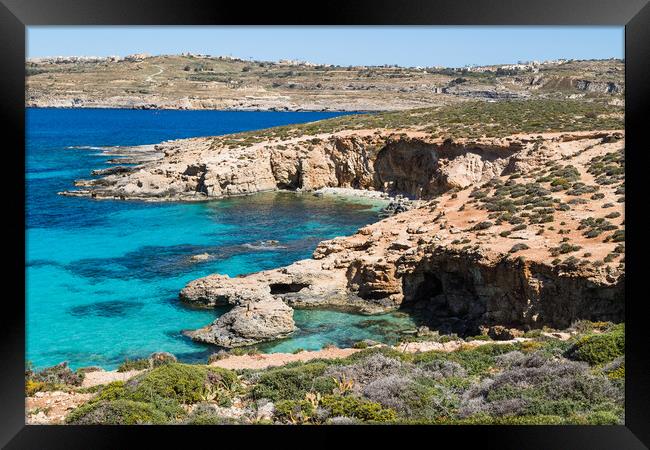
{"points": [[454, 264], [260, 319]]}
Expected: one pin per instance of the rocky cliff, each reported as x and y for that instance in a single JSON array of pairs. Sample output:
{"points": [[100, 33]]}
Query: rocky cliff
{"points": [[524, 232], [409, 163]]}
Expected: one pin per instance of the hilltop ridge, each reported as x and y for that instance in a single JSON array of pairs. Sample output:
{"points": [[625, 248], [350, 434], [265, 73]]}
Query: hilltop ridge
{"points": [[206, 82]]}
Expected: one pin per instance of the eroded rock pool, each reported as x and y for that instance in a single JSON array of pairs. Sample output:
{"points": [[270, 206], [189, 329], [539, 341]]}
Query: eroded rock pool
{"points": [[102, 277]]}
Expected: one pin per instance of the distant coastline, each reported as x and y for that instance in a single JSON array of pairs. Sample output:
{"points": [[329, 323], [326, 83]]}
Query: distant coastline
{"points": [[216, 83]]}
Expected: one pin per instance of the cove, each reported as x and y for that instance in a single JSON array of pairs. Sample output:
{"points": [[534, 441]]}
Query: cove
{"points": [[102, 277]]}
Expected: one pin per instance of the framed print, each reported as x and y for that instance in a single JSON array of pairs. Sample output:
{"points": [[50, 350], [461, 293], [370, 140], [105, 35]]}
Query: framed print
{"points": [[384, 217]]}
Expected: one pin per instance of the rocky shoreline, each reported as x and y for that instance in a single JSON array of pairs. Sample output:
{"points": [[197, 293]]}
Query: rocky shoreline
{"points": [[441, 252]]}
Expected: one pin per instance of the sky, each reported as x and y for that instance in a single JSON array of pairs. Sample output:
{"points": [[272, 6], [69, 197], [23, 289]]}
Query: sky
{"points": [[449, 46]]}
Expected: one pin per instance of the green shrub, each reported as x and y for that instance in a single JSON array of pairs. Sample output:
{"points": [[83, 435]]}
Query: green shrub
{"points": [[134, 364], [518, 247], [184, 383], [536, 384], [294, 411], [59, 374], [293, 383], [485, 419], [475, 361], [358, 408], [32, 387], [478, 337], [603, 418], [112, 391], [408, 397], [204, 414], [161, 358], [599, 348], [615, 370], [116, 412]]}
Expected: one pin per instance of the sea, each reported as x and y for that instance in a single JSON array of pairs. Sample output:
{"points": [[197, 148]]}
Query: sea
{"points": [[103, 276]]}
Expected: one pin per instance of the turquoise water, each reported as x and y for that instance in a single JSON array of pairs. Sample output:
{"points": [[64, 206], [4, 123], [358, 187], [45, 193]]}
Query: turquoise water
{"points": [[102, 277]]}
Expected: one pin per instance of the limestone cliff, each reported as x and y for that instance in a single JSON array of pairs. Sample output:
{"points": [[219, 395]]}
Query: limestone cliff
{"points": [[480, 256], [408, 163]]}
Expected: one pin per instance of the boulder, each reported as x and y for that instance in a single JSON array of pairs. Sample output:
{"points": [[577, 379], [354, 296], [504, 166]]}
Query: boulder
{"points": [[249, 324]]}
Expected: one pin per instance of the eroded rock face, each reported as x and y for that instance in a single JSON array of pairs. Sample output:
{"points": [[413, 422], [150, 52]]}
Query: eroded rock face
{"points": [[598, 86], [457, 277], [456, 292], [196, 169]]}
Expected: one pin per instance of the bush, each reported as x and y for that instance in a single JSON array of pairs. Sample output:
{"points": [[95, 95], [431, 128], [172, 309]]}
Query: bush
{"points": [[518, 247], [161, 358], [537, 386], [134, 364], [483, 225], [357, 408], [294, 411], [112, 391], [476, 361], [118, 390], [485, 419], [183, 382], [293, 383], [615, 370], [604, 418], [221, 354], [60, 374], [598, 349], [402, 394], [367, 369], [205, 414], [116, 412], [441, 369], [32, 387]]}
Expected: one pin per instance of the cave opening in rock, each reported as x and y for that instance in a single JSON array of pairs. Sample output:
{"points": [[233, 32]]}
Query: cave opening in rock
{"points": [[425, 290], [286, 288]]}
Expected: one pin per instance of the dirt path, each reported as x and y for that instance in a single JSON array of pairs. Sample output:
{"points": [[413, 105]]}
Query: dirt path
{"points": [[104, 377], [150, 79], [265, 360]]}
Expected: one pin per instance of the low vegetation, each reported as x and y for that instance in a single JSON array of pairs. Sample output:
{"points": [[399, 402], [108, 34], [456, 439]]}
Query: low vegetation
{"points": [[541, 380], [472, 119]]}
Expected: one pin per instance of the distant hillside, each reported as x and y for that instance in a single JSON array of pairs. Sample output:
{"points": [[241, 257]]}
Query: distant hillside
{"points": [[204, 82]]}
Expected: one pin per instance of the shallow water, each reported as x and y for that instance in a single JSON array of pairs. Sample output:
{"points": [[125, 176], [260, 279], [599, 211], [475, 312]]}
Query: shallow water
{"points": [[102, 277]]}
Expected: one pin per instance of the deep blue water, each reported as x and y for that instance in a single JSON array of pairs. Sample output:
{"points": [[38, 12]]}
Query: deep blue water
{"points": [[102, 277]]}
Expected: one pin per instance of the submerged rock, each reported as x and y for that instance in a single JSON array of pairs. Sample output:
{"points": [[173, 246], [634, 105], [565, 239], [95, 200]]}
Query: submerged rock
{"points": [[112, 170], [200, 257]]}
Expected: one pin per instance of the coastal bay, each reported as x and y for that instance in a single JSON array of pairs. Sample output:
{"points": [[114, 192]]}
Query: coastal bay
{"points": [[103, 276]]}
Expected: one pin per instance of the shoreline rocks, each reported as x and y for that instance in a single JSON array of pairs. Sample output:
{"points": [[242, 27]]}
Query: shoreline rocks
{"points": [[409, 164], [247, 324], [435, 262]]}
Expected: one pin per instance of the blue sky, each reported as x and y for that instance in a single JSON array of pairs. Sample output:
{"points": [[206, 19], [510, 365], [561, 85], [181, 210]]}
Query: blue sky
{"points": [[450, 46]]}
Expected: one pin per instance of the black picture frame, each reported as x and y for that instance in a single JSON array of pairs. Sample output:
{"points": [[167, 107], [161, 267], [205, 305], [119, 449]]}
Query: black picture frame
{"points": [[15, 15]]}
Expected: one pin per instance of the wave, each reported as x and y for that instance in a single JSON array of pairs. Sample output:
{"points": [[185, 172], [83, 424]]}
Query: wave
{"points": [[85, 147], [264, 245]]}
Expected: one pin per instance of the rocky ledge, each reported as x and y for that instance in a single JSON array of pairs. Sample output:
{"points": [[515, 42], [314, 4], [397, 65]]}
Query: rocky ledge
{"points": [[410, 163], [527, 240]]}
